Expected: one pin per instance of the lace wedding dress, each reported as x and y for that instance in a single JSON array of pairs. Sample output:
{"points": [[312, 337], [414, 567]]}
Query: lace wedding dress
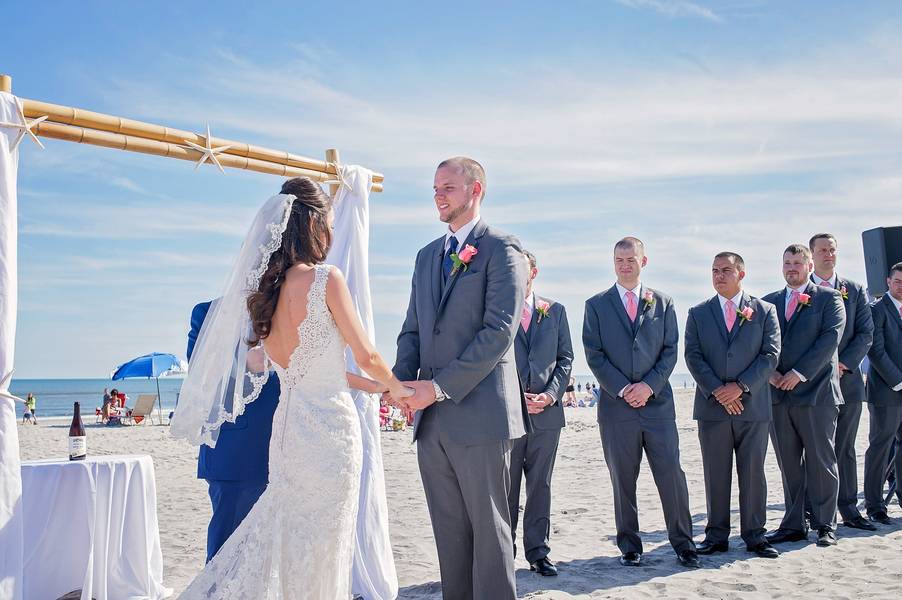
{"points": [[298, 540]]}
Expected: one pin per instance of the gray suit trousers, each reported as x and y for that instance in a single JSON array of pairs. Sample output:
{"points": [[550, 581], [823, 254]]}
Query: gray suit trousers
{"points": [[803, 438], [719, 441], [623, 443], [886, 424], [533, 455], [466, 492], [846, 460]]}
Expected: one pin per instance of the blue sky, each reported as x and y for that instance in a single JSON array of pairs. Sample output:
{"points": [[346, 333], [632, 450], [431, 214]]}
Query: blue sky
{"points": [[697, 126]]}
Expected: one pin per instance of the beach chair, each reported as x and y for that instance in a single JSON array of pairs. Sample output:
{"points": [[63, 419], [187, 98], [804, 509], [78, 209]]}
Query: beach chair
{"points": [[143, 410]]}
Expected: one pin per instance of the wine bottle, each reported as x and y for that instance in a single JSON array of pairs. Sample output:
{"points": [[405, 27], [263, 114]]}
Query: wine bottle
{"points": [[78, 443]]}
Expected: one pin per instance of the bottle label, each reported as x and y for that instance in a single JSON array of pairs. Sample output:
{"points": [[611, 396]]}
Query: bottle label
{"points": [[78, 447]]}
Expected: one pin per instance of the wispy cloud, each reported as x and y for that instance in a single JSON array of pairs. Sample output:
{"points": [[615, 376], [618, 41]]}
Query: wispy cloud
{"points": [[673, 8]]}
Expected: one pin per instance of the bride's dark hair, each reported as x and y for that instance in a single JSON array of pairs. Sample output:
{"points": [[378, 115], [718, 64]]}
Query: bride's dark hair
{"points": [[306, 239]]}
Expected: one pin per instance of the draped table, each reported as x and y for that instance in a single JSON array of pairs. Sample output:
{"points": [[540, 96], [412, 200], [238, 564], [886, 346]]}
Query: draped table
{"points": [[92, 525]]}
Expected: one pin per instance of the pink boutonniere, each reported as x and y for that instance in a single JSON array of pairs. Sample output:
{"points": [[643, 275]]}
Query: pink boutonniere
{"points": [[462, 259], [649, 298], [745, 315], [804, 300], [844, 292], [542, 308]]}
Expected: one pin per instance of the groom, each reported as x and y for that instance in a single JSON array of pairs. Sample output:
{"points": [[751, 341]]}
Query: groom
{"points": [[457, 341]]}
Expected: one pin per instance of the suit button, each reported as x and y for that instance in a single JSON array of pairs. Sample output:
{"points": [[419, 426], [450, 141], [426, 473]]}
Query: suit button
{"points": [[729, 355], [436, 331]]}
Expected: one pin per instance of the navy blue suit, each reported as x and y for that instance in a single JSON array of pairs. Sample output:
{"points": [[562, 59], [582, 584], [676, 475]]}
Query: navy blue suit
{"points": [[237, 469]]}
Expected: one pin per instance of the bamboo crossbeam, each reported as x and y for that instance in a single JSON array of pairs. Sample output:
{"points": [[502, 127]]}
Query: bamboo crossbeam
{"points": [[87, 119], [132, 143]]}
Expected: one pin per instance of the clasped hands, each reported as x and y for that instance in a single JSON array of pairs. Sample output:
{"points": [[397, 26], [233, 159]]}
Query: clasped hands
{"points": [[730, 397], [637, 394], [786, 382], [414, 395]]}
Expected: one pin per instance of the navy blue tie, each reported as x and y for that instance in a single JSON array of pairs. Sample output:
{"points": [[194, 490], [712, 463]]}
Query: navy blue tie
{"points": [[448, 264]]}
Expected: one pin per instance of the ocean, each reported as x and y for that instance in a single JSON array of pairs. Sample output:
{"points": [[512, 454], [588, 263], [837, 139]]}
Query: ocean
{"points": [[56, 397]]}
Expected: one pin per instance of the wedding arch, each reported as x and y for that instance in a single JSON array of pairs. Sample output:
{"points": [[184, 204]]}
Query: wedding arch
{"points": [[20, 118]]}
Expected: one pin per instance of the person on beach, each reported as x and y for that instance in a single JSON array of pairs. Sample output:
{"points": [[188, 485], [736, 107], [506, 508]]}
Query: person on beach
{"points": [[31, 403], [630, 337]]}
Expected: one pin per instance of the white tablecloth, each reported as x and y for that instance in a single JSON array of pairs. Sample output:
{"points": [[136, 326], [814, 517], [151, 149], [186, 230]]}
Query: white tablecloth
{"points": [[92, 525]]}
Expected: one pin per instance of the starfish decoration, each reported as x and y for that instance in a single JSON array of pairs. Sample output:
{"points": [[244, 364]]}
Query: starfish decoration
{"points": [[208, 152], [340, 178], [4, 390], [25, 128]]}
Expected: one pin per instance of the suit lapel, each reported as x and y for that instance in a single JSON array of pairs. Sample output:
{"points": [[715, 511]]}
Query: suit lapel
{"points": [[613, 297], [721, 324], [737, 325], [781, 311], [477, 232], [894, 315], [438, 257], [643, 307], [534, 320]]}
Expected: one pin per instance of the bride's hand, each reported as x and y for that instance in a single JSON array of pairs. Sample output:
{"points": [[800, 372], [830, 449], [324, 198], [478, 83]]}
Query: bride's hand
{"points": [[399, 391]]}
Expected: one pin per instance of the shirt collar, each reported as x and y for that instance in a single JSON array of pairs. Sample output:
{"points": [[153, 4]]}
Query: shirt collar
{"points": [[622, 290], [817, 280], [461, 234], [530, 301], [801, 289], [736, 300]]}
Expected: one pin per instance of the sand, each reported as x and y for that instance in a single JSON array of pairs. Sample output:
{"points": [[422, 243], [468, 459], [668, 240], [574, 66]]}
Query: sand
{"points": [[862, 565]]}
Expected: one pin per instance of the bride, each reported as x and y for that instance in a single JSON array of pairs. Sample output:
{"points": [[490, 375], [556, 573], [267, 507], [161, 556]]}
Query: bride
{"points": [[284, 310]]}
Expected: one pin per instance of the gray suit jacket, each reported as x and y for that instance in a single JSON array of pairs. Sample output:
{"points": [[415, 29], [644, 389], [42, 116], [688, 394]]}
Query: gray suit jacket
{"points": [[856, 339], [885, 354], [620, 353], [544, 359], [748, 353], [461, 334], [810, 343]]}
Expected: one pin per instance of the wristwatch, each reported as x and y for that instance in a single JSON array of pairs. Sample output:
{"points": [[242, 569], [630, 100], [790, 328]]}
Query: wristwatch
{"points": [[743, 387], [439, 392]]}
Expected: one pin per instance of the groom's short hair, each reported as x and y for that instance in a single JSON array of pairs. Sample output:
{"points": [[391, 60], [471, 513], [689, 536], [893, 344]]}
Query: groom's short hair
{"points": [[530, 257], [472, 170], [630, 243]]}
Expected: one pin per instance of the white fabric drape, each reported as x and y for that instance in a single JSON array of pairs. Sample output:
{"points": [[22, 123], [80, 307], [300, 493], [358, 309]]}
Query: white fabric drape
{"points": [[10, 478], [374, 574]]}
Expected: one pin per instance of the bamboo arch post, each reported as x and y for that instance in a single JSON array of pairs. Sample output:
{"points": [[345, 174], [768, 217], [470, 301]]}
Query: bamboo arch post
{"points": [[97, 129]]}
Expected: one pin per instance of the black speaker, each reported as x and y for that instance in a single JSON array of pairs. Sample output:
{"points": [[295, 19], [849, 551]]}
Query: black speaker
{"points": [[882, 249]]}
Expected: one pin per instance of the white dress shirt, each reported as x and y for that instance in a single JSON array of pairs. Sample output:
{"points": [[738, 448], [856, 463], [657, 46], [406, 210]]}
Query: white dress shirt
{"points": [[723, 302], [461, 234], [817, 280], [789, 292]]}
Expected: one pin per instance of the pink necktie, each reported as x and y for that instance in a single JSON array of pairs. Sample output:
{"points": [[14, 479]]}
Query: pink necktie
{"points": [[825, 283], [525, 318], [729, 313], [632, 307], [792, 304]]}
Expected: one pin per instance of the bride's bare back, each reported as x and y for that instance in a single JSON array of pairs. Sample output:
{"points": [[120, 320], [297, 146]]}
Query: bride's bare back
{"points": [[291, 310]]}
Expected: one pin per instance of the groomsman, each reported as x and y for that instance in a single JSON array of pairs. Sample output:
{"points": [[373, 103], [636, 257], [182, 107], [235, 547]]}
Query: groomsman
{"points": [[806, 397], [884, 395], [630, 337], [732, 347], [856, 340], [544, 356]]}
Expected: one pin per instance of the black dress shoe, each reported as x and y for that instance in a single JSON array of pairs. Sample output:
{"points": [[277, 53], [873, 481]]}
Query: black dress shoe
{"points": [[881, 517], [689, 559], [764, 550], [544, 567], [826, 537], [860, 522], [709, 547], [631, 559], [784, 535]]}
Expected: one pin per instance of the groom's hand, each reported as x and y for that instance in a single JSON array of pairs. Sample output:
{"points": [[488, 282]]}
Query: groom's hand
{"points": [[399, 403], [423, 395]]}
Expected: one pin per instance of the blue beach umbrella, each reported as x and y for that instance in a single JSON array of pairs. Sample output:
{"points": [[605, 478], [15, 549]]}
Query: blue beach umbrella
{"points": [[147, 366]]}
